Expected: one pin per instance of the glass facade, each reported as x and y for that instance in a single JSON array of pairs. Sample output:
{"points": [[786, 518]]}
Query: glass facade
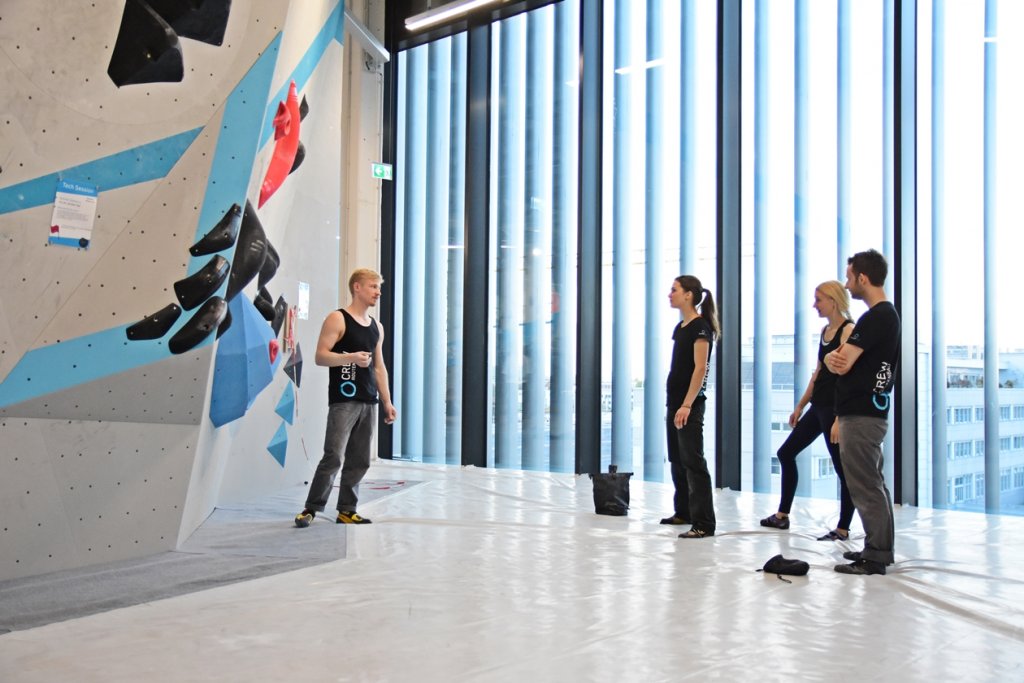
{"points": [[826, 157], [971, 343]]}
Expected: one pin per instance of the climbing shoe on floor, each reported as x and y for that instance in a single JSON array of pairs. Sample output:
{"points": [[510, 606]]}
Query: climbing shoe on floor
{"points": [[351, 517], [775, 522], [303, 519]]}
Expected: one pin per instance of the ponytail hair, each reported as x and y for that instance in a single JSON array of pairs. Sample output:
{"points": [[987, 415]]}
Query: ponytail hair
{"points": [[705, 302]]}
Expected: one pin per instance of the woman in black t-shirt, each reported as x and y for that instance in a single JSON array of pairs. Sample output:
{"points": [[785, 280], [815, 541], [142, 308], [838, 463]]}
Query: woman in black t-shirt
{"points": [[831, 301], [687, 382]]}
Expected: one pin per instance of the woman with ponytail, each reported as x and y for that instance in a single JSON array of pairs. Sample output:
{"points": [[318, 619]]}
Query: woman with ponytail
{"points": [[686, 386]]}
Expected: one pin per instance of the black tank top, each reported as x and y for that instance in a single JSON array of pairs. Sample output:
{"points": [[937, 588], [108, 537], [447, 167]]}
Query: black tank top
{"points": [[351, 382], [824, 392]]}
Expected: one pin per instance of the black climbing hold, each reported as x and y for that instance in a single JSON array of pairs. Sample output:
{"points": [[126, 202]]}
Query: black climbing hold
{"points": [[293, 366], [156, 325], [204, 20], [303, 108], [221, 236], [270, 265], [249, 254], [200, 326], [280, 309], [201, 285], [147, 49], [300, 155], [264, 304], [223, 327]]}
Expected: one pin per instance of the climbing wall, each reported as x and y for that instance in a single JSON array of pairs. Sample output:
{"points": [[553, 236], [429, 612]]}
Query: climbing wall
{"points": [[108, 446]]}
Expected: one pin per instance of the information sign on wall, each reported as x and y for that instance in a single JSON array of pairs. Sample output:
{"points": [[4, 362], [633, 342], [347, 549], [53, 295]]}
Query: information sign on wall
{"points": [[74, 213]]}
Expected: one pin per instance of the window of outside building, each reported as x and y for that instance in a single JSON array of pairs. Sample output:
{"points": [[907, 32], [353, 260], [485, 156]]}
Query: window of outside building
{"points": [[960, 449], [825, 468], [962, 487]]}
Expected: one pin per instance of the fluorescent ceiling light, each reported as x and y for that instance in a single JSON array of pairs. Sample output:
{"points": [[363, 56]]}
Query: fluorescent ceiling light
{"points": [[446, 12]]}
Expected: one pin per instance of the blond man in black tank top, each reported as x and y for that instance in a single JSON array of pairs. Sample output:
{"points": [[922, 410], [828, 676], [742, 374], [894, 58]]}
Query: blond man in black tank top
{"points": [[350, 346]]}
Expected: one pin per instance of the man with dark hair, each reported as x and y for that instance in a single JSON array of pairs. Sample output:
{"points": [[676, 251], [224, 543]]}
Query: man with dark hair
{"points": [[350, 346], [866, 365]]}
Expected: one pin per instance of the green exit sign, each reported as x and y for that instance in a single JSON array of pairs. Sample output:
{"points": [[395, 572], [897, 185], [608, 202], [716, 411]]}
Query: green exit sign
{"points": [[381, 171]]}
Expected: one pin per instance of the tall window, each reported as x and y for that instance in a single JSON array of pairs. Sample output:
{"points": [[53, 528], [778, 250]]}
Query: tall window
{"points": [[817, 187], [429, 236], [533, 197], [658, 213], [969, 105]]}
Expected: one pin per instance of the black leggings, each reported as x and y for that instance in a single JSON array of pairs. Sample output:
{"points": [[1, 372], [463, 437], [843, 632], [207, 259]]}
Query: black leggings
{"points": [[815, 422]]}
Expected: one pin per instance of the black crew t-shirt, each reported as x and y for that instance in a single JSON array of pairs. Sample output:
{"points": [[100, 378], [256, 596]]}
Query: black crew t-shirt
{"points": [[866, 388], [682, 368]]}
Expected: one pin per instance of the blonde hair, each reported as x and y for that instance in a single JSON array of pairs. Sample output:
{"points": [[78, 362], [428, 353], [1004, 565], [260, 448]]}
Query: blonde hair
{"points": [[834, 290], [361, 275]]}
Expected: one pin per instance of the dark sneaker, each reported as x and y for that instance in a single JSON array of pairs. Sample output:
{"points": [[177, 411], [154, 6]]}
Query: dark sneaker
{"points": [[834, 536], [303, 519], [675, 520], [351, 517], [852, 555], [775, 522], [861, 567], [696, 533]]}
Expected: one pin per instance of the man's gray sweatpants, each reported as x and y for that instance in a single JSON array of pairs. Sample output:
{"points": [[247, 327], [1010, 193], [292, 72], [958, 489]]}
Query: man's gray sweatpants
{"points": [[860, 450]]}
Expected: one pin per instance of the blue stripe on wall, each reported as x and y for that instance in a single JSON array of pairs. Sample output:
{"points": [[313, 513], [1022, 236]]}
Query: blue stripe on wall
{"points": [[333, 29], [136, 165], [77, 361]]}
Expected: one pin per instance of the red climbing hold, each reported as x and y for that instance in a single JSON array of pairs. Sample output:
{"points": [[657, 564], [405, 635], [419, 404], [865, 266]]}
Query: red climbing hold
{"points": [[286, 135]]}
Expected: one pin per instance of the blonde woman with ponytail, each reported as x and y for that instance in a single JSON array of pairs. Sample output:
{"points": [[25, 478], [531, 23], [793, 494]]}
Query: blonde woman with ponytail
{"points": [[832, 302]]}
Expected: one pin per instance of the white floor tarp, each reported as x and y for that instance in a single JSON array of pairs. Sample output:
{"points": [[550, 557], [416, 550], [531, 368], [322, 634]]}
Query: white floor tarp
{"points": [[486, 575]]}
